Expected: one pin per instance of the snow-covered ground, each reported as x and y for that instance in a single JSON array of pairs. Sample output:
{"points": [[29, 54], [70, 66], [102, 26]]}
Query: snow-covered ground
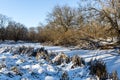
{"points": [[22, 67]]}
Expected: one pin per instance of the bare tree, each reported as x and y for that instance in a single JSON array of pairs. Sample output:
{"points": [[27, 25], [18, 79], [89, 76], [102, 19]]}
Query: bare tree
{"points": [[16, 31], [62, 16], [32, 34], [107, 12], [3, 23]]}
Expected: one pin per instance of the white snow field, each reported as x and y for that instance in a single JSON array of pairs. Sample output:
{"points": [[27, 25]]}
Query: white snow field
{"points": [[23, 67]]}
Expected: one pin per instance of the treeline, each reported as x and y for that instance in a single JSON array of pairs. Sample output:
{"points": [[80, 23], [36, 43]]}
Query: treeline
{"points": [[87, 24], [10, 30]]}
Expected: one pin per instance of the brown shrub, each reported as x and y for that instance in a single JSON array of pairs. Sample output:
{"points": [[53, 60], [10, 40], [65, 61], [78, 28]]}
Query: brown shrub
{"points": [[114, 76], [98, 67], [67, 38], [42, 55], [61, 58], [52, 55], [77, 61], [23, 50], [16, 70], [64, 76]]}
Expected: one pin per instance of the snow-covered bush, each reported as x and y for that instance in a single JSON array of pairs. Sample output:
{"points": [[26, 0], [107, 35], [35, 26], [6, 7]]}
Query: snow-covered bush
{"points": [[27, 50], [64, 76], [113, 75], [61, 58], [16, 70], [37, 51], [2, 65], [52, 55], [77, 61], [42, 55], [98, 68], [23, 50]]}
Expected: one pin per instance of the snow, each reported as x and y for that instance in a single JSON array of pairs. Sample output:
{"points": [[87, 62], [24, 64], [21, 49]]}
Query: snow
{"points": [[50, 78], [32, 69]]}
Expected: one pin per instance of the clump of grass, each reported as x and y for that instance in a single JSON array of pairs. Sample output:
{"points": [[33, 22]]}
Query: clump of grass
{"points": [[2, 65], [77, 61], [16, 70], [42, 55], [61, 58], [23, 50], [98, 68], [52, 55], [113, 75], [64, 76]]}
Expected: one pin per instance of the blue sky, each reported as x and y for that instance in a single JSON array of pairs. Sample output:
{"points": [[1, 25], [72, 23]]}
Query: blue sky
{"points": [[31, 12]]}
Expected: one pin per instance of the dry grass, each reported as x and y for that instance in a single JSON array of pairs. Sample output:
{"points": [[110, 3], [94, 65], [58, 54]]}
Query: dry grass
{"points": [[61, 58], [16, 70], [42, 55], [64, 76], [77, 61], [98, 67], [114, 75]]}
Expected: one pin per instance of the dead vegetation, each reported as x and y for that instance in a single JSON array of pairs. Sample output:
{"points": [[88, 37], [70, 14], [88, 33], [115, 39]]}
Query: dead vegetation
{"points": [[22, 50], [77, 61], [64, 76], [114, 75], [16, 70], [98, 67], [42, 55], [61, 58], [2, 65]]}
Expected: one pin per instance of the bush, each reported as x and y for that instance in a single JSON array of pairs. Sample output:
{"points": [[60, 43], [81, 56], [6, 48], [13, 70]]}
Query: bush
{"points": [[61, 58], [2, 65], [67, 38], [113, 75], [16, 70], [42, 54], [52, 55], [98, 68], [23, 50], [64, 76], [77, 61]]}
